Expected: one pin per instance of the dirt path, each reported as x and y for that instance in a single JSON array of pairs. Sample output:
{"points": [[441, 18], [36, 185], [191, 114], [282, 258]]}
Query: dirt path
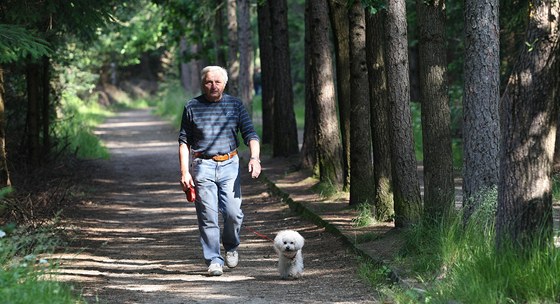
{"points": [[137, 239]]}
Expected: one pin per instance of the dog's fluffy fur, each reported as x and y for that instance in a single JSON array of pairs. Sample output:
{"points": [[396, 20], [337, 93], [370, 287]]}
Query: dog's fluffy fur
{"points": [[288, 244]]}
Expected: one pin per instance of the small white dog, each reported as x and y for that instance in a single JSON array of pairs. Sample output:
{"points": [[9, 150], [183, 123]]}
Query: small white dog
{"points": [[288, 244]]}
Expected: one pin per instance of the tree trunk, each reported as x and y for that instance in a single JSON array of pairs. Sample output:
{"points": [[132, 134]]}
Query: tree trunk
{"points": [[285, 137], [245, 56], [408, 203], [340, 28], [267, 72], [329, 149], [439, 190], [361, 157], [185, 67], [46, 105], [530, 112], [379, 109], [195, 69], [233, 48], [481, 118], [4, 172], [556, 162], [308, 151], [33, 119], [221, 56]]}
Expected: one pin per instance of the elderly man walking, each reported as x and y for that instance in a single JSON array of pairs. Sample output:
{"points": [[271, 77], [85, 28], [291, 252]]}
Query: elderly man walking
{"points": [[208, 136]]}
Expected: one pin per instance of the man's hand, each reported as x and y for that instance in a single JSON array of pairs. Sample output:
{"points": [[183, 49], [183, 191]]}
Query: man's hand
{"points": [[187, 182], [255, 167]]}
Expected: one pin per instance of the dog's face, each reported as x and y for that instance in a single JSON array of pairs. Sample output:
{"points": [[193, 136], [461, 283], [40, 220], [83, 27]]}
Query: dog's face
{"points": [[288, 241]]}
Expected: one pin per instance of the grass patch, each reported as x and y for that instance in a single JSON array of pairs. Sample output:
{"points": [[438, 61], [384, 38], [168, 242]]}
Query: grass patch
{"points": [[458, 263], [376, 275], [24, 276], [365, 216], [77, 119], [170, 102], [325, 189]]}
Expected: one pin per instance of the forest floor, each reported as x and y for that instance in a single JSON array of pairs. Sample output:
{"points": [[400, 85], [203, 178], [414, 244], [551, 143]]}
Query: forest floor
{"points": [[135, 238]]}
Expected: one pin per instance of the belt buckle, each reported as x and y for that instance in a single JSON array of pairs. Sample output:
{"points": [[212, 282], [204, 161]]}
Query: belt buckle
{"points": [[220, 158], [224, 157]]}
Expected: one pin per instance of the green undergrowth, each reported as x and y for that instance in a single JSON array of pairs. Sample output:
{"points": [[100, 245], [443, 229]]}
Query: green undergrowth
{"points": [[453, 262], [365, 216], [325, 189], [170, 102], [26, 277], [75, 126]]}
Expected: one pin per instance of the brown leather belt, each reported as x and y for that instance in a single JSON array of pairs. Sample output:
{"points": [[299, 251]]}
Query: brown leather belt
{"points": [[218, 158]]}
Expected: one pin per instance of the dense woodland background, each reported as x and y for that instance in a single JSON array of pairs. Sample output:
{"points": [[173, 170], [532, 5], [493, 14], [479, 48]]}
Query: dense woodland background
{"points": [[460, 87]]}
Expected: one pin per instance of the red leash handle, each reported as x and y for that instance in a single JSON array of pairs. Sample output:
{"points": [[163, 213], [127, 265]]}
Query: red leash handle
{"points": [[191, 194]]}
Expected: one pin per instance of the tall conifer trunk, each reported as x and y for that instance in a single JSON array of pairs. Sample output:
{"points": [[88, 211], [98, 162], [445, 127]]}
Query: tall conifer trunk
{"points": [[233, 49], [361, 154], [439, 189], [379, 108], [530, 112], [481, 119], [340, 26], [4, 172], [33, 118], [267, 72], [408, 203], [329, 149], [285, 132]]}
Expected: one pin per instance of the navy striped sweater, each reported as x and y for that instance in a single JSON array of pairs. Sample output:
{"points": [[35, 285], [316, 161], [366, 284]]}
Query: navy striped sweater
{"points": [[211, 127]]}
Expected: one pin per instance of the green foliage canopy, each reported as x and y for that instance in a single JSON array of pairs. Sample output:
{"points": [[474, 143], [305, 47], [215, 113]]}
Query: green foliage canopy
{"points": [[17, 43]]}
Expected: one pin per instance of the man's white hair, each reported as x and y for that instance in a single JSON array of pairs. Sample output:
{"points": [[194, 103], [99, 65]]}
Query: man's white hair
{"points": [[213, 68]]}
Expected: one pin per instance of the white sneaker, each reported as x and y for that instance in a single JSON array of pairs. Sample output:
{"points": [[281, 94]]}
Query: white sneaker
{"points": [[232, 258], [215, 269]]}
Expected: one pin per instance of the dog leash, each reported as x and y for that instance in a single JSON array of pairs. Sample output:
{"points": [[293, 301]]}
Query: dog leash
{"points": [[258, 233], [253, 231]]}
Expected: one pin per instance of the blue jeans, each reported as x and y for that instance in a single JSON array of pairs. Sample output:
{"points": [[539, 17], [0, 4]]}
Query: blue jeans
{"points": [[218, 190]]}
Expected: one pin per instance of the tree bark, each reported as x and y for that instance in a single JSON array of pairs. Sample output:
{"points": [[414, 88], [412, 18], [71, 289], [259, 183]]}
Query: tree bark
{"points": [[221, 55], [267, 72], [33, 118], [195, 68], [439, 190], [245, 56], [4, 172], [481, 117], [184, 66], [361, 157], [408, 203], [285, 137], [340, 27], [556, 161], [308, 151], [329, 149], [530, 112], [233, 49], [379, 109], [46, 105]]}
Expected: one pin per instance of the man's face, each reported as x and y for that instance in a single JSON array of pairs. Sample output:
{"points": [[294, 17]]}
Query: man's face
{"points": [[213, 86]]}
